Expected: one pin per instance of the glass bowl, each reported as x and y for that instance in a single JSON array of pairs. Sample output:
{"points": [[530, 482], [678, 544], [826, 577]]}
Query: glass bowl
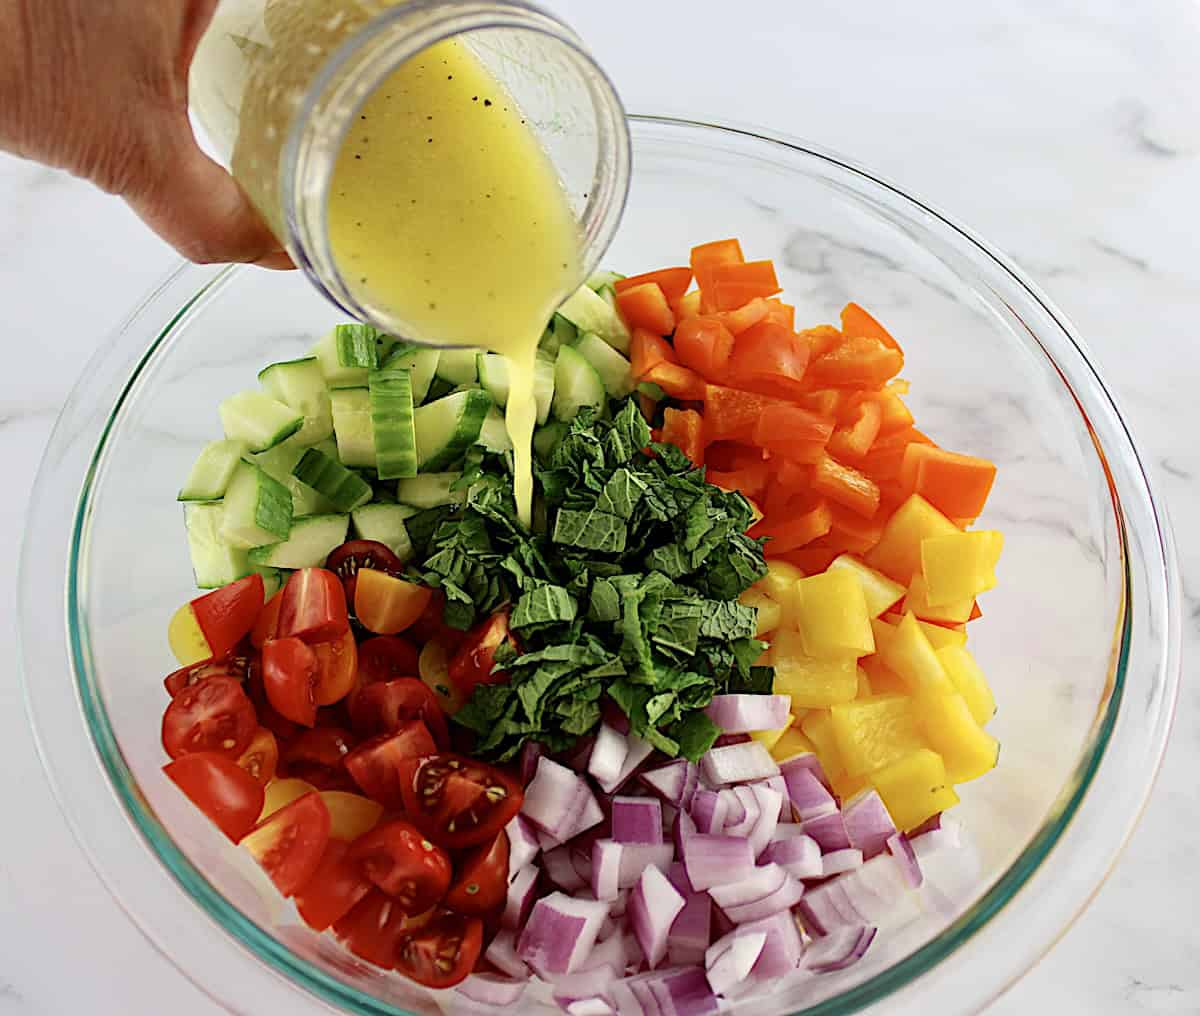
{"points": [[1080, 639]]}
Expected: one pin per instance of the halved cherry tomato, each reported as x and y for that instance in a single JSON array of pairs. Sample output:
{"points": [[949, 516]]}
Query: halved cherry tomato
{"points": [[226, 615], [234, 665], [376, 765], [268, 621], [387, 605], [475, 659], [351, 557], [261, 756], [373, 927], [402, 862], [383, 708], [442, 952], [289, 843], [458, 801], [318, 757], [481, 884], [350, 815], [335, 887], [221, 789], [268, 716], [313, 606], [282, 792], [337, 664], [704, 345], [770, 358], [214, 715], [385, 658], [290, 678]]}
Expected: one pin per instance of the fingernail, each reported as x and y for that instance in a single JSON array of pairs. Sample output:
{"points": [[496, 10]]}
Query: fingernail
{"points": [[278, 261]]}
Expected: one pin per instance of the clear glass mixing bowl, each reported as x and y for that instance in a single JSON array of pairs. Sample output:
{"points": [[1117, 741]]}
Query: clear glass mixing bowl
{"points": [[1080, 638]]}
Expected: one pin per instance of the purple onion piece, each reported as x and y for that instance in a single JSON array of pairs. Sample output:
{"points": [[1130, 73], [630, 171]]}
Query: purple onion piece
{"points": [[868, 823], [637, 820], [560, 932], [653, 906]]}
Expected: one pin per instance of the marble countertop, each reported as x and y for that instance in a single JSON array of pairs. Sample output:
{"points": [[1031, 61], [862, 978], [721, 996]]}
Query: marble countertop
{"points": [[1066, 133]]}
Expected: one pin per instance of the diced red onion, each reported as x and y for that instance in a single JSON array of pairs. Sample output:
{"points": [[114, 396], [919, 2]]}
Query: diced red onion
{"points": [[555, 800], [546, 842], [788, 831], [946, 837], [782, 951], [683, 992], [608, 755], [743, 811], [634, 957], [614, 716], [783, 898], [798, 855], [877, 888], [531, 751], [829, 831], [638, 750], [807, 794], [738, 763], [590, 983], [653, 906], [729, 960], [668, 781], [590, 1007], [637, 820], [715, 860], [617, 906], [677, 873], [502, 954], [521, 892], [768, 802], [838, 861], [868, 824], [711, 811], [606, 868], [748, 902], [627, 999], [561, 869], [608, 952], [762, 881], [637, 857], [685, 829], [901, 849], [492, 989], [692, 930], [928, 826], [522, 844], [591, 815], [582, 859], [839, 949], [827, 908], [744, 714], [779, 785], [722, 925], [560, 932]]}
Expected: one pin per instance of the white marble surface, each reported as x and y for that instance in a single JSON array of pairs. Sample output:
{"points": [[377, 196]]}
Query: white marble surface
{"points": [[1066, 133]]}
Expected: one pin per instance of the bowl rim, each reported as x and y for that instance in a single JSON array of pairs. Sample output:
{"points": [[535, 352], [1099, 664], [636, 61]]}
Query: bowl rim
{"points": [[899, 975]]}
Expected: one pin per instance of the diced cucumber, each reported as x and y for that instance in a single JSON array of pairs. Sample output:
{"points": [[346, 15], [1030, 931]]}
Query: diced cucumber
{"points": [[392, 421], [603, 279], [429, 490], [576, 384], [543, 386], [345, 490], [278, 462], [493, 435], [300, 384], [421, 361], [439, 388], [357, 345], [559, 332], [211, 473], [214, 562], [458, 366], [493, 375], [307, 545], [448, 427], [385, 524], [258, 508], [613, 368], [589, 312], [353, 427], [651, 391], [258, 421], [337, 374], [273, 579], [545, 440]]}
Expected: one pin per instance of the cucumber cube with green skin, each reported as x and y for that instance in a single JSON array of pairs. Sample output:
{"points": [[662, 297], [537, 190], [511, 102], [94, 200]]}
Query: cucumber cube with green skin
{"points": [[421, 362], [458, 366], [258, 421], [614, 370], [353, 426], [446, 428], [384, 523], [215, 562], [337, 374], [590, 312], [392, 422], [212, 471], [603, 280], [278, 462], [430, 490], [308, 544], [343, 488], [493, 435], [493, 375], [300, 384], [258, 509], [576, 385]]}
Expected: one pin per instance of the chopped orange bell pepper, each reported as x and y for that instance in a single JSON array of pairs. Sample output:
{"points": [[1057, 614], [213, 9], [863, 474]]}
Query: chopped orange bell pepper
{"points": [[854, 439], [747, 315], [730, 456], [781, 427], [734, 284], [856, 363], [822, 339], [677, 381], [750, 480], [647, 349], [684, 428], [847, 486], [688, 306], [781, 313], [705, 258], [731, 413], [645, 306], [794, 532], [770, 359], [958, 485], [857, 323], [704, 345], [672, 281]]}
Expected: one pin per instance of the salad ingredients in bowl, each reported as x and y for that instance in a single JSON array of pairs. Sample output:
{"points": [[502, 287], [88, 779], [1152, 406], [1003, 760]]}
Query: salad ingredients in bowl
{"points": [[691, 733]]}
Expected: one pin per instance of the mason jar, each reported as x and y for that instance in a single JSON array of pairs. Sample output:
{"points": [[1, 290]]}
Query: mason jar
{"points": [[276, 86]]}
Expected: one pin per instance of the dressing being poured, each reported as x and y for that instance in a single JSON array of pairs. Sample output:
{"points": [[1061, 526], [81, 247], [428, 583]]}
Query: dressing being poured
{"points": [[445, 213]]}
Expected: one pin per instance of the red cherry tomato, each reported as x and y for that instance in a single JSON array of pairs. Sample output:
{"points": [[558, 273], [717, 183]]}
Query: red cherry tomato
{"points": [[268, 716], [430, 626], [385, 658], [441, 952], [313, 606], [226, 615], [481, 883], [290, 677], [318, 758], [268, 621], [335, 887], [473, 662], [347, 559], [382, 708], [289, 843], [398, 858], [235, 666], [376, 764], [261, 757], [337, 664], [214, 715], [373, 927], [221, 789], [459, 801]]}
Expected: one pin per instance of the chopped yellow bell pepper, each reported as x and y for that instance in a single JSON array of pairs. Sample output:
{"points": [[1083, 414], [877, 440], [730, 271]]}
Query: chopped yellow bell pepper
{"points": [[864, 684], [769, 612], [793, 742], [883, 680], [846, 786], [966, 676], [940, 636], [967, 749], [880, 591], [898, 552], [769, 738], [873, 732], [818, 728], [831, 614], [959, 566], [915, 788], [779, 581], [910, 655], [812, 683], [958, 612]]}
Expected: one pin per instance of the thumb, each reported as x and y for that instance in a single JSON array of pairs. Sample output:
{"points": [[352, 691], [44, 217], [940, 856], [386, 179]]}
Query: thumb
{"points": [[199, 209]]}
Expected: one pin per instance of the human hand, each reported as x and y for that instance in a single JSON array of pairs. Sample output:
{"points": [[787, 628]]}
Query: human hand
{"points": [[99, 88]]}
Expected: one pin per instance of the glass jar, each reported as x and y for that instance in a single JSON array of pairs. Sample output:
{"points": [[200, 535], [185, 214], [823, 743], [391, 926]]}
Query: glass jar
{"points": [[276, 85]]}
